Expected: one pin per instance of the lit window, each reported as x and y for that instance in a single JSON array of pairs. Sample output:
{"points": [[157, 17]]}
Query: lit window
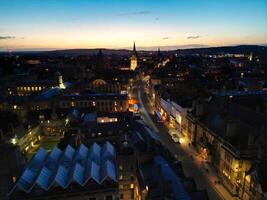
{"points": [[132, 186], [121, 177], [93, 103], [14, 140]]}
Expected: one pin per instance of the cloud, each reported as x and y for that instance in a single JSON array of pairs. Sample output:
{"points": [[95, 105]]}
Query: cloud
{"points": [[171, 47], [7, 37], [166, 38], [193, 37], [142, 12]]}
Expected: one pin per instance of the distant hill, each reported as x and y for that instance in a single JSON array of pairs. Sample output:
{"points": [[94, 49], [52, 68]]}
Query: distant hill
{"points": [[77, 52], [241, 49]]}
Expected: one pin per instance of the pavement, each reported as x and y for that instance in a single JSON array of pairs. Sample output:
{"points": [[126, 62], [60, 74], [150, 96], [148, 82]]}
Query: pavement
{"points": [[193, 165]]}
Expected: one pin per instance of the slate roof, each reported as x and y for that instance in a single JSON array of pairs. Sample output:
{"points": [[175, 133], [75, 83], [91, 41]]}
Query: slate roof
{"points": [[157, 176]]}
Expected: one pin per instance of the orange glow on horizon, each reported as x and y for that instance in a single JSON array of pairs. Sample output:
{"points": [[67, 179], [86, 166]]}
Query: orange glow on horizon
{"points": [[122, 40]]}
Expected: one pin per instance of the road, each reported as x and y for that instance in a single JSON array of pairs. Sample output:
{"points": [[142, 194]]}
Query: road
{"points": [[192, 163]]}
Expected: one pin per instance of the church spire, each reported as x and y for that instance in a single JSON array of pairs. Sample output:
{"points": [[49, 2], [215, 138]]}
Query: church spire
{"points": [[159, 53], [134, 59], [134, 47]]}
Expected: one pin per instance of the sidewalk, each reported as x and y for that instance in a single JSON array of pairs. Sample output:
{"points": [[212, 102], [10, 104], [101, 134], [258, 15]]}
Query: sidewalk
{"points": [[192, 167], [207, 170]]}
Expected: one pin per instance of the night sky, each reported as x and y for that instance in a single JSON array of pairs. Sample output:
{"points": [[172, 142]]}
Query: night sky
{"points": [[58, 24]]}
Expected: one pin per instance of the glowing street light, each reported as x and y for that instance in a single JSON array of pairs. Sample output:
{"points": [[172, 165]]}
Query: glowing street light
{"points": [[14, 140]]}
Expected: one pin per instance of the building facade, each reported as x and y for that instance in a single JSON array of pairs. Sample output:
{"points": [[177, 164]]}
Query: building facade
{"points": [[229, 142], [99, 102]]}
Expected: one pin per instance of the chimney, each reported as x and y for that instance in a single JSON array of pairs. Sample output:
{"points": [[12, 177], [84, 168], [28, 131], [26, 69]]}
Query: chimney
{"points": [[199, 106], [1, 135], [250, 139], [231, 128]]}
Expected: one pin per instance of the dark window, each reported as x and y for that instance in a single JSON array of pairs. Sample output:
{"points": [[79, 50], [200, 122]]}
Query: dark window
{"points": [[109, 197]]}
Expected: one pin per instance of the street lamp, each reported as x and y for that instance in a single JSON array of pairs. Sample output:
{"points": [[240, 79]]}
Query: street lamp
{"points": [[244, 183], [14, 140]]}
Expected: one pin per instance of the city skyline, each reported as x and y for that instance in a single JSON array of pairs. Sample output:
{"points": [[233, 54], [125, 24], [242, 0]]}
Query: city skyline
{"points": [[35, 25], [133, 100]]}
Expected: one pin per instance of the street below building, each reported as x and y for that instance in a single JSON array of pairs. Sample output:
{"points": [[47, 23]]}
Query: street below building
{"points": [[193, 164]]}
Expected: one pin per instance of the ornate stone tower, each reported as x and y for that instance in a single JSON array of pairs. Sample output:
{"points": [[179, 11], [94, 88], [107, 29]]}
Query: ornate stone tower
{"points": [[60, 80], [134, 59]]}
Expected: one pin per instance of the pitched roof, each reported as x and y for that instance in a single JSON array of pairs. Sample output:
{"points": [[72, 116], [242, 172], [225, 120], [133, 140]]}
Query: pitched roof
{"points": [[71, 165]]}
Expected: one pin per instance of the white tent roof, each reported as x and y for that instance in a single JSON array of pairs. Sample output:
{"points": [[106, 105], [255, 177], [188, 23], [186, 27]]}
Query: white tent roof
{"points": [[71, 165]]}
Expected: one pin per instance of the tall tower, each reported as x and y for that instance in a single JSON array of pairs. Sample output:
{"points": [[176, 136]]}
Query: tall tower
{"points": [[250, 57], [159, 53], [60, 81], [134, 59]]}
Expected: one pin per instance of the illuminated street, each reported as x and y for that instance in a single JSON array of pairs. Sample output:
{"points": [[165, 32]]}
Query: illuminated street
{"points": [[195, 167]]}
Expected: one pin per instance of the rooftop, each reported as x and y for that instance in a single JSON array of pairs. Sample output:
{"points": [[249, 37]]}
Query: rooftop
{"points": [[61, 168], [94, 96], [161, 181]]}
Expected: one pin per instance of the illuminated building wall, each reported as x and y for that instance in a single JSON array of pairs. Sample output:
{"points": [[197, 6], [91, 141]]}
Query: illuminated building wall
{"points": [[99, 103], [134, 59], [127, 174], [232, 164], [98, 85], [133, 62], [28, 90]]}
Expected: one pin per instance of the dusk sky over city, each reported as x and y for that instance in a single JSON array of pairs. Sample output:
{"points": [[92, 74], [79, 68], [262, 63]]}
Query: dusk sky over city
{"points": [[133, 100], [55, 24]]}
